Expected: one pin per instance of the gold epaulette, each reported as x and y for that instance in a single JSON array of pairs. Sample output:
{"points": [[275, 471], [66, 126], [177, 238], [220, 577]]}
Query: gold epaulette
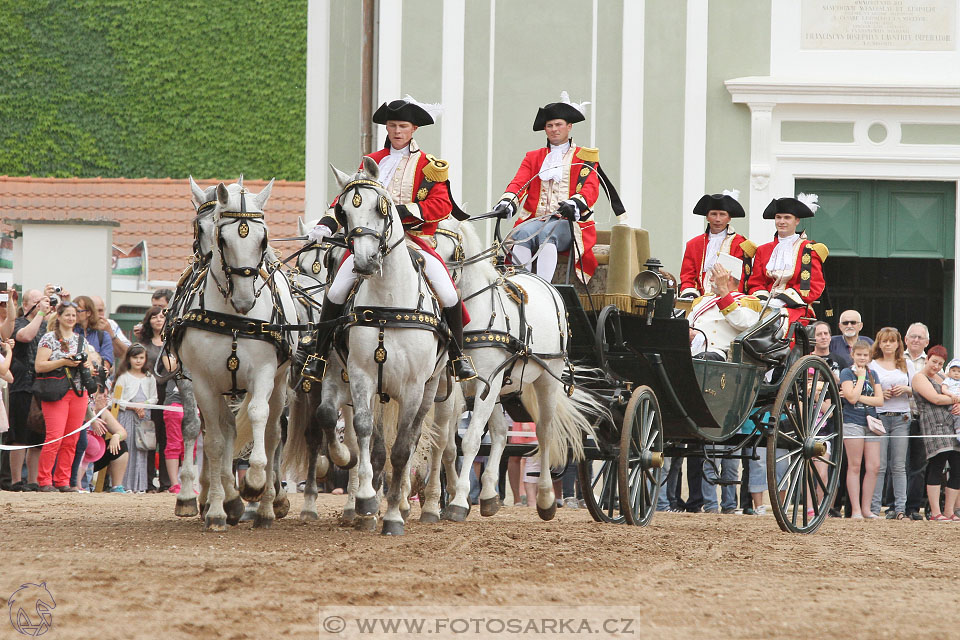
{"points": [[436, 169], [821, 250], [749, 249], [589, 155]]}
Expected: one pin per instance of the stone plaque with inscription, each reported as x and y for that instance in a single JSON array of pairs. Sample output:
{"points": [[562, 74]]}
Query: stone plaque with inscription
{"points": [[913, 25]]}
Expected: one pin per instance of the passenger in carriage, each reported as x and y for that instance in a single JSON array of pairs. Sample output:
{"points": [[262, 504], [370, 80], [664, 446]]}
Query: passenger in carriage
{"points": [[418, 185], [716, 319], [789, 269], [701, 252], [556, 184]]}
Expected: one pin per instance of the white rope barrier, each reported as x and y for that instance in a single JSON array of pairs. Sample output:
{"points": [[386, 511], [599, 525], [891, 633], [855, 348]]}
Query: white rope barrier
{"points": [[17, 447], [85, 425]]}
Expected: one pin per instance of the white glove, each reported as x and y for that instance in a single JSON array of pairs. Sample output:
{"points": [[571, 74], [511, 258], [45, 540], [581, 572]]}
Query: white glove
{"points": [[319, 232]]}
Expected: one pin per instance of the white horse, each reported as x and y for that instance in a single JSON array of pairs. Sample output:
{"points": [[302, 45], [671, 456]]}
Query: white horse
{"points": [[496, 325], [386, 359], [234, 342]]}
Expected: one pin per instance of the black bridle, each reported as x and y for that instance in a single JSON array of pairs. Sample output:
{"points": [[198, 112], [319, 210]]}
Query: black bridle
{"points": [[242, 219], [384, 208]]}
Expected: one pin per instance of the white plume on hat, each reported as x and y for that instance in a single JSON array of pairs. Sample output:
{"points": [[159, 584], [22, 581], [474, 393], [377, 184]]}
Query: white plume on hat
{"points": [[435, 109], [809, 199], [733, 193], [579, 106]]}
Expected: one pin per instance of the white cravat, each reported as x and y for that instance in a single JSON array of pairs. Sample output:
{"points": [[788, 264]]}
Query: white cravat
{"points": [[713, 249], [389, 164], [782, 256], [552, 167]]}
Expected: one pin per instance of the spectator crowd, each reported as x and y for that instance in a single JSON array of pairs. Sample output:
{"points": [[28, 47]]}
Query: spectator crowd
{"points": [[61, 360]]}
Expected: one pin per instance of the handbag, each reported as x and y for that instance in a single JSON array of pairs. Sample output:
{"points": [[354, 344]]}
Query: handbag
{"points": [[145, 435], [875, 425], [52, 386]]}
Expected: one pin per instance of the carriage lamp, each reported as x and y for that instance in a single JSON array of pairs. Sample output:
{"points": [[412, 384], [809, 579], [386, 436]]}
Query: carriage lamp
{"points": [[648, 285]]}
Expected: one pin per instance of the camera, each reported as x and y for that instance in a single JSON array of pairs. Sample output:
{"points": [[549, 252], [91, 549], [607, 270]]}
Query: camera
{"points": [[90, 380], [55, 299]]}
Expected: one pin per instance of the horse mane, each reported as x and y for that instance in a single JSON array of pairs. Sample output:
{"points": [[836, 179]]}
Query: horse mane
{"points": [[472, 245]]}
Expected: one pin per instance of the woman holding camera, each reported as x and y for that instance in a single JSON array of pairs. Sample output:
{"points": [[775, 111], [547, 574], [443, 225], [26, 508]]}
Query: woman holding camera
{"points": [[58, 350], [88, 319]]}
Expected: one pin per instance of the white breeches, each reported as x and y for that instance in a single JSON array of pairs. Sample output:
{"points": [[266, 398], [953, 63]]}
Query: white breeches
{"points": [[433, 269]]}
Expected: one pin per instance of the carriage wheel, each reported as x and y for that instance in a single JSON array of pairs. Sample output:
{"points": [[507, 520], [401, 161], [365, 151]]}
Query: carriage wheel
{"points": [[600, 492], [807, 441], [641, 457]]}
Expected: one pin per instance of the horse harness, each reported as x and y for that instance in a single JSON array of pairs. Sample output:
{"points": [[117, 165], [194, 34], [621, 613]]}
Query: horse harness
{"points": [[192, 286]]}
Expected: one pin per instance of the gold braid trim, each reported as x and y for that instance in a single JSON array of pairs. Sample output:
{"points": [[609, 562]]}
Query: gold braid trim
{"points": [[589, 154], [749, 249], [821, 250], [436, 169]]}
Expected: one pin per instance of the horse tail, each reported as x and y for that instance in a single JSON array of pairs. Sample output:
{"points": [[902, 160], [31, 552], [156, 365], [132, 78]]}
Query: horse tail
{"points": [[244, 432], [296, 451], [571, 420]]}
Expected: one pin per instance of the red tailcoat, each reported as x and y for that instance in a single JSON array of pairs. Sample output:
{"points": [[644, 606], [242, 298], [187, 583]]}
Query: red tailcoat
{"points": [[691, 271], [584, 191], [430, 199], [793, 292]]}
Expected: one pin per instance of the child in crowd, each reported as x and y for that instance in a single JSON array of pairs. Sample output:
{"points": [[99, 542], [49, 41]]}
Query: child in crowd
{"points": [[137, 385], [951, 387]]}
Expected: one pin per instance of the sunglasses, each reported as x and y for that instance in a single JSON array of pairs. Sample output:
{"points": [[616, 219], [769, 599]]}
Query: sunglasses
{"points": [[69, 304], [849, 322]]}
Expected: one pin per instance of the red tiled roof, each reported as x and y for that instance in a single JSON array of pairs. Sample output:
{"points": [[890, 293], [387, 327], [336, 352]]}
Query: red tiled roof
{"points": [[158, 211]]}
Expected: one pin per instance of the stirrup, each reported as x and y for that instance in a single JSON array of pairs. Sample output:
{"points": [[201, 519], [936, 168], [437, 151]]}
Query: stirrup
{"points": [[314, 368], [463, 368]]}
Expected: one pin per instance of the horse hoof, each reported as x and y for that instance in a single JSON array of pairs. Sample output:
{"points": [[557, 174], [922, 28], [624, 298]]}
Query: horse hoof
{"points": [[367, 506], [489, 506], [392, 528], [547, 514], [281, 507], [250, 494], [259, 522], [234, 509], [404, 513], [456, 513], [186, 508], [308, 516], [215, 524], [348, 518], [250, 513], [429, 518], [366, 523]]}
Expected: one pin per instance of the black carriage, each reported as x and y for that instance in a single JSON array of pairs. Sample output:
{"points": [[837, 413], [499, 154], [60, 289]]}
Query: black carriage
{"points": [[667, 403]]}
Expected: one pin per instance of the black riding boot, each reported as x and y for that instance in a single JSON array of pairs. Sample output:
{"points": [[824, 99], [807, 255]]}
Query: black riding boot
{"points": [[462, 365], [316, 360]]}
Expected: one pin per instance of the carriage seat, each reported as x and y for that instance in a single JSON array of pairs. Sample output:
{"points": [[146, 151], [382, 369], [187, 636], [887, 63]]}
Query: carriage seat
{"points": [[620, 252]]}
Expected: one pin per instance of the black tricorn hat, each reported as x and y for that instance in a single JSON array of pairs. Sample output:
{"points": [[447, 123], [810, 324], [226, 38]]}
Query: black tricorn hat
{"points": [[402, 110], [564, 110], [788, 205], [720, 202]]}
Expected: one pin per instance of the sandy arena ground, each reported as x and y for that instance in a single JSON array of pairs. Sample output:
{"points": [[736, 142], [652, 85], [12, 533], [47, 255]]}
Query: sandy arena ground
{"points": [[123, 566]]}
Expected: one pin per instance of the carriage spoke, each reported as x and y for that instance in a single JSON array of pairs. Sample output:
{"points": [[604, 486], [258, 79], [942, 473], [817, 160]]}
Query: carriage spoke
{"points": [[818, 479], [789, 474], [789, 439], [788, 454], [813, 396]]}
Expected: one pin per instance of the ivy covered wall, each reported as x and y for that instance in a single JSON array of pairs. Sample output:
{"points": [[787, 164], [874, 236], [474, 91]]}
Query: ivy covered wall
{"points": [[126, 88]]}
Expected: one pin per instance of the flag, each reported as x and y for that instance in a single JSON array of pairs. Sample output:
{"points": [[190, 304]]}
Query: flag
{"points": [[131, 263]]}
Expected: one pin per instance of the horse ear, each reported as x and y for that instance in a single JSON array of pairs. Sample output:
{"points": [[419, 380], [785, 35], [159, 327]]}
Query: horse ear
{"points": [[301, 228], [222, 194], [370, 167], [240, 180], [198, 195], [341, 177], [261, 198]]}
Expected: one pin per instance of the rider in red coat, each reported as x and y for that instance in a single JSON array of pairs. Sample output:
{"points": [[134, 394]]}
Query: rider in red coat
{"points": [[557, 183], [418, 185], [790, 268], [720, 237]]}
